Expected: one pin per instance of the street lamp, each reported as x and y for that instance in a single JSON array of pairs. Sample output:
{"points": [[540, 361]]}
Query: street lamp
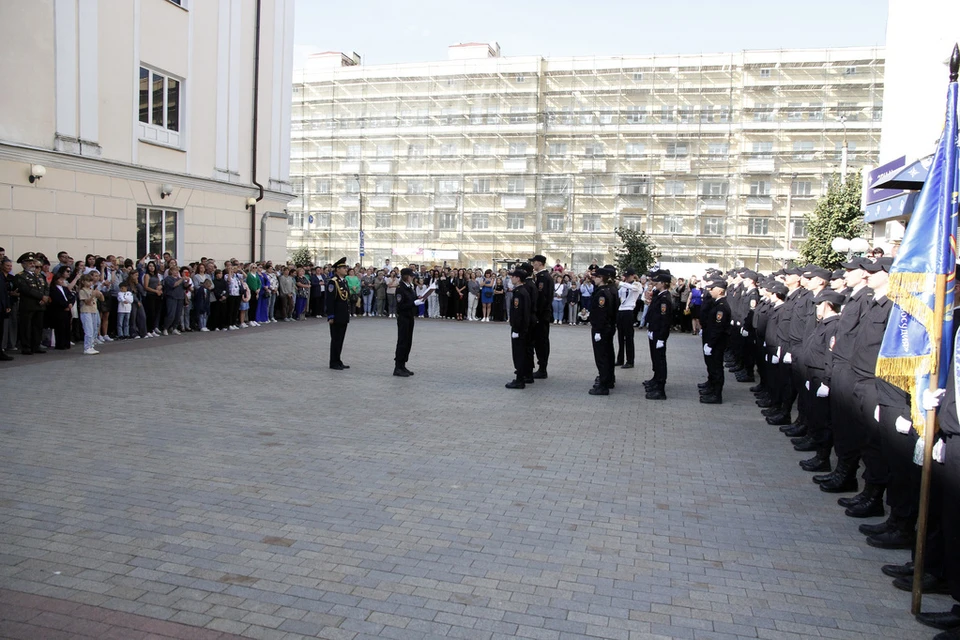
{"points": [[849, 246], [356, 177]]}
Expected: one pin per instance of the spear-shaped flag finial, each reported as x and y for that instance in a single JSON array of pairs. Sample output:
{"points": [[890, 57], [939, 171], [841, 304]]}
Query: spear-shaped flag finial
{"points": [[954, 63]]}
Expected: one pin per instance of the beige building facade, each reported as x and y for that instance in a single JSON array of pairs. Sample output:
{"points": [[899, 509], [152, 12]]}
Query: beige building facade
{"points": [[481, 159], [140, 116]]}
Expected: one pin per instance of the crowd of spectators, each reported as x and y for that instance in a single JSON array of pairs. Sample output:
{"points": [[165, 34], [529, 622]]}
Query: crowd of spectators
{"points": [[102, 299]]}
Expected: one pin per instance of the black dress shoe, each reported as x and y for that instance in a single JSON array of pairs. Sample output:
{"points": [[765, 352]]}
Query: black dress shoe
{"points": [[515, 384], [337, 367], [945, 620], [409, 373], [529, 380], [870, 507], [703, 385], [795, 432], [846, 503], [771, 411], [629, 365], [839, 484], [540, 374], [953, 634], [756, 388], [746, 379], [767, 404], [808, 445], [816, 464], [893, 539], [877, 529], [827, 477], [39, 351], [400, 373], [897, 570], [599, 391], [344, 366], [928, 584], [711, 399], [778, 419], [656, 394], [785, 428]]}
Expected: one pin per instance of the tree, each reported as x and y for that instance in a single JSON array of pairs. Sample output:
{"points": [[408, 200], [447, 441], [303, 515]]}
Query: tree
{"points": [[837, 215], [302, 256], [638, 251]]}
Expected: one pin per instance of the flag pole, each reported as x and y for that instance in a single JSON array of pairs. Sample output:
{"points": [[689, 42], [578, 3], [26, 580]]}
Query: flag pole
{"points": [[929, 427]]}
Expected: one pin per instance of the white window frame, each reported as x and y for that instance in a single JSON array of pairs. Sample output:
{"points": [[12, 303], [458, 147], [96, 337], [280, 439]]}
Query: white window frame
{"points": [[760, 188], [674, 187], [673, 224], [480, 221], [482, 185], [414, 187], [635, 149], [160, 133], [633, 223], [801, 188], [516, 184], [178, 233], [414, 220], [555, 222], [590, 222], [713, 226], [447, 220], [383, 220], [798, 229], [555, 149], [515, 221], [758, 226]]}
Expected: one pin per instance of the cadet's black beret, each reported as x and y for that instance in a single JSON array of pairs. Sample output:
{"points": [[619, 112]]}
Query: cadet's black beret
{"points": [[881, 264], [831, 296], [817, 272]]}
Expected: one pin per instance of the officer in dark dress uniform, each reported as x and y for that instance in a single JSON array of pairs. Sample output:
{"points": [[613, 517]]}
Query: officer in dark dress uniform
{"points": [[337, 302], [521, 317], [603, 326], [716, 331], [406, 312], [659, 318], [531, 286], [749, 300], [32, 287], [544, 312]]}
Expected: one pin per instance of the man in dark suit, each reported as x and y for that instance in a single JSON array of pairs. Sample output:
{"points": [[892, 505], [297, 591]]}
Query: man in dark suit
{"points": [[338, 312], [406, 312], [32, 287], [6, 305]]}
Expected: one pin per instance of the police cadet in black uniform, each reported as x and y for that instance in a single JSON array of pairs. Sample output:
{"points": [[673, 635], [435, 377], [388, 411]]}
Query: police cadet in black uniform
{"points": [[603, 324], [659, 318], [337, 305], [716, 331], [749, 299], [406, 312], [531, 286], [544, 312], [521, 317], [628, 292], [32, 287]]}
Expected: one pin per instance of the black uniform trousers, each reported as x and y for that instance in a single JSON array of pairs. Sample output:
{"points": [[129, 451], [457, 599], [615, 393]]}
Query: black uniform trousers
{"points": [[338, 331], [876, 471], [529, 348], [518, 347], [845, 412], [404, 340], [30, 328], [944, 498], [604, 357], [819, 425], [749, 352], [714, 363], [625, 344], [658, 358], [541, 342], [903, 488]]}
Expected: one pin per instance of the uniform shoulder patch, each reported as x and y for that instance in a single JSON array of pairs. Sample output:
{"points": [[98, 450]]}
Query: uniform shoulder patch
{"points": [[833, 341], [719, 317], [540, 286], [602, 301], [332, 287], [663, 308], [399, 296], [753, 304], [516, 302]]}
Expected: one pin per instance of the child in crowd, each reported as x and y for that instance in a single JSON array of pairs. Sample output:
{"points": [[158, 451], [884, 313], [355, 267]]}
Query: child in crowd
{"points": [[88, 313], [124, 306], [244, 303]]}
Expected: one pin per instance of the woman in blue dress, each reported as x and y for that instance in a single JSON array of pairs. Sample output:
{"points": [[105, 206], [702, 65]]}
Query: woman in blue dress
{"points": [[263, 301], [486, 294]]}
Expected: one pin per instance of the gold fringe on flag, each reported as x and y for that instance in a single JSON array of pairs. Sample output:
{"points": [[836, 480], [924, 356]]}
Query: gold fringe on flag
{"points": [[902, 373], [903, 289]]}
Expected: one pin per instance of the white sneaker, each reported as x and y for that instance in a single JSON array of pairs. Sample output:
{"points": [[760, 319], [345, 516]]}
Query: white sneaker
{"points": [[232, 328], [254, 323], [90, 352], [204, 329], [136, 337], [273, 319], [176, 332], [164, 333]]}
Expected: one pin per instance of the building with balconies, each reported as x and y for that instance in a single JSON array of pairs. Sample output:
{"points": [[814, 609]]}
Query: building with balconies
{"points": [[482, 159]]}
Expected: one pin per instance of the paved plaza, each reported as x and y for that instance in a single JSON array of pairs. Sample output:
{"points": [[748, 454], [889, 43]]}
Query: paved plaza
{"points": [[221, 485]]}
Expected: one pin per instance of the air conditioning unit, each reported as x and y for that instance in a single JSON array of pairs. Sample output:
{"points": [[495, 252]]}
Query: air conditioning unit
{"points": [[893, 231]]}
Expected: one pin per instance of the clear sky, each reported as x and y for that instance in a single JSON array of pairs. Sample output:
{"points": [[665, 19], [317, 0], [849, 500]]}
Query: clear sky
{"points": [[391, 31]]}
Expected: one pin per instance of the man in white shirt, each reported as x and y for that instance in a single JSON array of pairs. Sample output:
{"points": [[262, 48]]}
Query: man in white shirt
{"points": [[629, 291]]}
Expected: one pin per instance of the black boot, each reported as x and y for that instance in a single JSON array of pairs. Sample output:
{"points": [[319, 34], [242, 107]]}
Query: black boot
{"points": [[897, 538], [818, 463], [844, 480], [768, 403], [771, 411], [515, 384], [400, 372], [846, 503], [806, 444], [656, 393], [756, 388], [711, 398], [540, 374], [795, 432], [897, 570], [778, 419], [871, 505]]}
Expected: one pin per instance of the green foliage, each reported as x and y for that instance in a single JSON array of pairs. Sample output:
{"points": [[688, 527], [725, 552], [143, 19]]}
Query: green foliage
{"points": [[637, 252], [301, 257], [837, 215]]}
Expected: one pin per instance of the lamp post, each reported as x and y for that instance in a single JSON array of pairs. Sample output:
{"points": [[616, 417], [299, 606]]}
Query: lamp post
{"points": [[849, 246], [356, 177]]}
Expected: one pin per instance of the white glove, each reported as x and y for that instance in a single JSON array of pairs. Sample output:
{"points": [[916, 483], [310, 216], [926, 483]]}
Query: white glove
{"points": [[418, 301], [903, 425], [596, 337], [514, 335], [823, 391], [918, 452], [778, 352], [775, 360], [939, 450], [649, 335], [744, 333], [787, 358], [707, 350], [660, 344], [876, 413], [807, 385], [930, 400]]}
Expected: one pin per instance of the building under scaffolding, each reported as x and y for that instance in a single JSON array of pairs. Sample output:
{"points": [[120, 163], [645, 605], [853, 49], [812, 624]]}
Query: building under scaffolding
{"points": [[480, 159]]}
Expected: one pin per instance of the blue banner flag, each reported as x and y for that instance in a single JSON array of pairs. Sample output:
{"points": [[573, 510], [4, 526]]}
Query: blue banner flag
{"points": [[917, 342]]}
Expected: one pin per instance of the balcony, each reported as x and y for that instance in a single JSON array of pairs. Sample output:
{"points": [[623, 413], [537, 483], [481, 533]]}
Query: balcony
{"points": [[381, 166], [513, 202], [633, 202], [446, 202], [555, 201], [713, 204], [675, 165], [759, 203], [380, 201], [759, 165], [351, 201], [516, 165], [593, 165], [350, 166]]}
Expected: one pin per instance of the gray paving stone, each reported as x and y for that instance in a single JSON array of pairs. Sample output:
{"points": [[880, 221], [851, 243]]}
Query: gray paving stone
{"points": [[355, 504]]}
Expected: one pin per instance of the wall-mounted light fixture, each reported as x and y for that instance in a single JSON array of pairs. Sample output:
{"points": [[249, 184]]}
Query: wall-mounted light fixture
{"points": [[165, 190], [37, 171], [251, 202]]}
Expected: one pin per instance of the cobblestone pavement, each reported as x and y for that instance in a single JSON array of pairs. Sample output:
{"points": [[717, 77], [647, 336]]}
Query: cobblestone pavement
{"points": [[233, 483]]}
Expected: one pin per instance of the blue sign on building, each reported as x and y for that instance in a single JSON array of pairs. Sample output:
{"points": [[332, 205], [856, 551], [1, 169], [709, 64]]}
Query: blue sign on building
{"points": [[872, 193]]}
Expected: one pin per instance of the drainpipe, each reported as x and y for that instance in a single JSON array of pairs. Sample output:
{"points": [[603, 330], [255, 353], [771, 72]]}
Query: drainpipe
{"points": [[263, 230], [256, 113]]}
